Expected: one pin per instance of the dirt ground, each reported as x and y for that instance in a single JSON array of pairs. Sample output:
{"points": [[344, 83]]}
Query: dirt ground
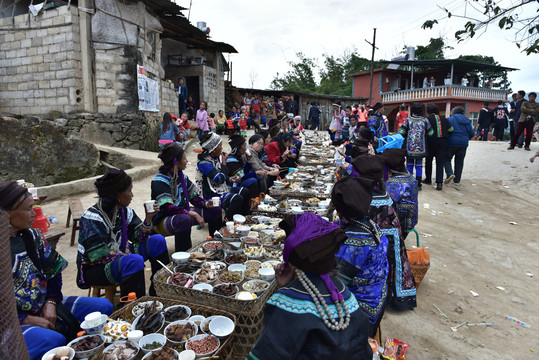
{"points": [[472, 246]]}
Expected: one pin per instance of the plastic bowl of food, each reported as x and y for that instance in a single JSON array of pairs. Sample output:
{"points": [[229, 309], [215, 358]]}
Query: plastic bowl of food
{"points": [[214, 265], [252, 274], [221, 326], [157, 353], [201, 343], [203, 287], [155, 325], [236, 258], [180, 257], [212, 246], [267, 273], [252, 264], [178, 332], [151, 342], [227, 290], [61, 351], [249, 241], [140, 307], [197, 319], [97, 328], [124, 349], [256, 286], [177, 313], [181, 279], [206, 276], [231, 277]]}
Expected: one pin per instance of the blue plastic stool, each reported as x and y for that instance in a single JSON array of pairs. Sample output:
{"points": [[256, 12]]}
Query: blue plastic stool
{"points": [[390, 142]]}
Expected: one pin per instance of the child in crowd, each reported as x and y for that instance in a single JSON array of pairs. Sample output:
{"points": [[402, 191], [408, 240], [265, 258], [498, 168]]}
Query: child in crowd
{"points": [[221, 122], [353, 130], [345, 128], [243, 125], [211, 122], [297, 123], [202, 120], [229, 124], [183, 124]]}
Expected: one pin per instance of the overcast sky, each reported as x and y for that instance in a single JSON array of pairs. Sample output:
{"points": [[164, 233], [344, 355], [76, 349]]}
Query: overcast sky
{"points": [[268, 36]]}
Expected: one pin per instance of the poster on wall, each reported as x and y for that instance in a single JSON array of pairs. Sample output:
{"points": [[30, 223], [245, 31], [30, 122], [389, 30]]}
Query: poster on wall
{"points": [[148, 90]]}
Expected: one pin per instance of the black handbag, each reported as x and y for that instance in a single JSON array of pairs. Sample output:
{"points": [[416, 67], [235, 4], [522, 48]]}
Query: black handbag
{"points": [[66, 323]]}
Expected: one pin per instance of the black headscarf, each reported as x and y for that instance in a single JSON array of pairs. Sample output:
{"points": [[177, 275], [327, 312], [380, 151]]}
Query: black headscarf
{"points": [[370, 166], [170, 152], [395, 159], [10, 194], [113, 182], [352, 197]]}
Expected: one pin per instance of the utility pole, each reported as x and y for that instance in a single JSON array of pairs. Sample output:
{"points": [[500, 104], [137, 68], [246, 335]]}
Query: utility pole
{"points": [[373, 44]]}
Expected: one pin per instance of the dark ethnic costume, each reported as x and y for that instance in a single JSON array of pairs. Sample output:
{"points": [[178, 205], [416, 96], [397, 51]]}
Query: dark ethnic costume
{"points": [[34, 283], [115, 243], [293, 325]]}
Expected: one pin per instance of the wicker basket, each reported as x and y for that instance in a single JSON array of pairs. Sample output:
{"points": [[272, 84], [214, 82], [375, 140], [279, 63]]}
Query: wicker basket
{"points": [[419, 272], [224, 352], [249, 314]]}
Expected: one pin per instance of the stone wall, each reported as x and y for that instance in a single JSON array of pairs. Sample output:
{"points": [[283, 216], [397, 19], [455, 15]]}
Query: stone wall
{"points": [[134, 130], [40, 68], [169, 98], [36, 151]]}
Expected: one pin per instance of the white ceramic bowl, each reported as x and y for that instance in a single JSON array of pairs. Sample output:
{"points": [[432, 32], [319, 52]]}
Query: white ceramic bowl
{"points": [[221, 326], [267, 274], [187, 355], [202, 287], [111, 346], [180, 322], [147, 356], [294, 202], [96, 329], [237, 267], [181, 257], [151, 338], [205, 324], [187, 309], [243, 230], [55, 351], [245, 295], [197, 318], [239, 219], [296, 210], [263, 219], [199, 337], [245, 286], [323, 204]]}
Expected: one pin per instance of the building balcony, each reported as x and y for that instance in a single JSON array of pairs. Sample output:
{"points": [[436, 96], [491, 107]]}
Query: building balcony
{"points": [[446, 92]]}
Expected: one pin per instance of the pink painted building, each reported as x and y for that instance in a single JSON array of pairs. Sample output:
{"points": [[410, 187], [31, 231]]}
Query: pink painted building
{"points": [[429, 81]]}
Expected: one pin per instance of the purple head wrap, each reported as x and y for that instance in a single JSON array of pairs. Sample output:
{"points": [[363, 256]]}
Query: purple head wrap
{"points": [[319, 255]]}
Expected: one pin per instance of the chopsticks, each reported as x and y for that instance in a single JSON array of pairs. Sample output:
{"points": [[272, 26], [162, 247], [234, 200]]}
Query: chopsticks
{"points": [[166, 267]]}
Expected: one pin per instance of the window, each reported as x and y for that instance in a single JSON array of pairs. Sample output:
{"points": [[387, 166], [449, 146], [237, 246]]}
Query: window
{"points": [[473, 117], [151, 38]]}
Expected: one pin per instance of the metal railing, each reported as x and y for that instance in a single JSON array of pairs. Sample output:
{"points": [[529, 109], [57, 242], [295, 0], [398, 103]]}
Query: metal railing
{"points": [[435, 92]]}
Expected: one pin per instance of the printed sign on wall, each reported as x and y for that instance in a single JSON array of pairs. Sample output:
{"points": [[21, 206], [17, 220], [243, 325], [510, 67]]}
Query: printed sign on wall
{"points": [[148, 90]]}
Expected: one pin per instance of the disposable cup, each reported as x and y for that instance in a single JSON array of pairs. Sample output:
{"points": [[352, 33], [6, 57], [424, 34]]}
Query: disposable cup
{"points": [[230, 226], [216, 201], [149, 206]]}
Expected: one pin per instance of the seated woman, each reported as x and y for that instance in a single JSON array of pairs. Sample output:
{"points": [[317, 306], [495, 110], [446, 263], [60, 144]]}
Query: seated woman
{"points": [[46, 316], [169, 131], [114, 243], [279, 152], [266, 174], [173, 192], [313, 315], [214, 180], [362, 260], [238, 166], [401, 283]]}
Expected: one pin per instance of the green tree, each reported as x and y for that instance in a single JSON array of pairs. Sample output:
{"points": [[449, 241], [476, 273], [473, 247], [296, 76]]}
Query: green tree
{"points": [[299, 78], [521, 17], [434, 50]]}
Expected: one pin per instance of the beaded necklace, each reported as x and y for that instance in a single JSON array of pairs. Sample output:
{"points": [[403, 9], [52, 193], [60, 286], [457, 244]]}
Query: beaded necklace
{"points": [[321, 306], [110, 224]]}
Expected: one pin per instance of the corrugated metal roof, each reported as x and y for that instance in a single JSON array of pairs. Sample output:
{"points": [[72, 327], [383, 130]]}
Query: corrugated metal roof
{"points": [[458, 64]]}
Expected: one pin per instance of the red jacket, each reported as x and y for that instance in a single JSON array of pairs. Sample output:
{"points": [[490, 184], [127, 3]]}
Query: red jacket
{"points": [[273, 152]]}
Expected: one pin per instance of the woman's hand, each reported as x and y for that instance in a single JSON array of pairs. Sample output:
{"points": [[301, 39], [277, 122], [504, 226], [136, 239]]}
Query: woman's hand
{"points": [[274, 172], [150, 216], [208, 204], [198, 218], [261, 173], [49, 312], [284, 273], [235, 179], [224, 156], [38, 321]]}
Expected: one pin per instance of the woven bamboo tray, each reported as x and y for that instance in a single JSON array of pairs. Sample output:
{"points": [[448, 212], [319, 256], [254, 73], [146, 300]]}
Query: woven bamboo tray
{"points": [[224, 351], [297, 194], [249, 314]]}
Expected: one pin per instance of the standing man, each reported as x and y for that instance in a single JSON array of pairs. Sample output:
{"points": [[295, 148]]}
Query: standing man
{"points": [[182, 96], [529, 111], [314, 116], [292, 106], [484, 121], [512, 114]]}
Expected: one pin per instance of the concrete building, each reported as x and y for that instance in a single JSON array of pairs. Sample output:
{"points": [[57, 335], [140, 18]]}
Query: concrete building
{"points": [[83, 57], [403, 82]]}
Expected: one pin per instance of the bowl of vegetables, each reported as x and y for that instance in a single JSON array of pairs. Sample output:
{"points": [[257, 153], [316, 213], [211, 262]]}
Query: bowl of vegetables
{"points": [[152, 342]]}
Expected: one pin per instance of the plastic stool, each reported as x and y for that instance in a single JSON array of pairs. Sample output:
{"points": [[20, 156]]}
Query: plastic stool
{"points": [[390, 142], [416, 235]]}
